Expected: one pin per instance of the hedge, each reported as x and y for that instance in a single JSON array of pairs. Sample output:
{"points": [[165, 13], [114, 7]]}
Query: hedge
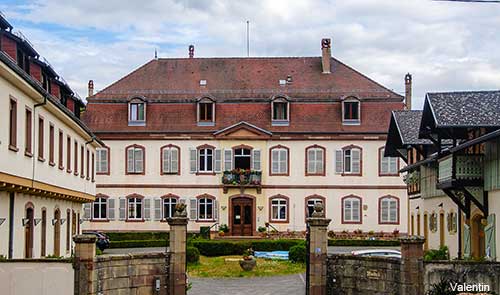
{"points": [[298, 253], [192, 254], [383, 243], [137, 243], [136, 236], [222, 248]]}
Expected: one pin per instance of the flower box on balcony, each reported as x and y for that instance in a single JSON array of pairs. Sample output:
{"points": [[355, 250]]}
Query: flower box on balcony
{"points": [[242, 178]]}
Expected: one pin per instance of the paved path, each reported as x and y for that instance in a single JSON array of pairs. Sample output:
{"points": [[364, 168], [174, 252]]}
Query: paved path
{"points": [[275, 285]]}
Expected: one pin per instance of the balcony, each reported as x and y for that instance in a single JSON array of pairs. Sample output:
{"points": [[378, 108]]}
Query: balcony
{"points": [[460, 171], [242, 179], [412, 180]]}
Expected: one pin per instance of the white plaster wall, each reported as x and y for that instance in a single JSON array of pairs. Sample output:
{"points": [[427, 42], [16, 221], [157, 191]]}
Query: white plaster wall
{"points": [[4, 228], [16, 163], [20, 278]]}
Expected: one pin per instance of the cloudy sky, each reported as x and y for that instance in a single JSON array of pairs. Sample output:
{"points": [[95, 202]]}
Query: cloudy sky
{"points": [[445, 45]]}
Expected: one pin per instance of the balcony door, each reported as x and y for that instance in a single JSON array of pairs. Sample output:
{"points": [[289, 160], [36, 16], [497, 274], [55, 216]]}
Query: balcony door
{"points": [[242, 158], [242, 216]]}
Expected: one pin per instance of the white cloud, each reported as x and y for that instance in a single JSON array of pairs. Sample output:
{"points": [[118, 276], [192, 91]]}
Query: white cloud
{"points": [[446, 46]]}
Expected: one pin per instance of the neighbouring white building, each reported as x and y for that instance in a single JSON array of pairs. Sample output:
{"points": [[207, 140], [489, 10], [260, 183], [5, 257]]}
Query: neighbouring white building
{"points": [[46, 154]]}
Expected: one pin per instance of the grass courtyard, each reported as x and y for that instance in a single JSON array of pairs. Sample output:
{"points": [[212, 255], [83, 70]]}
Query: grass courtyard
{"points": [[228, 266]]}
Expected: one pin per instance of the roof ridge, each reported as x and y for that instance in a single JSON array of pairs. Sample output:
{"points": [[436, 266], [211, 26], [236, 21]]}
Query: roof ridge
{"points": [[464, 91]]}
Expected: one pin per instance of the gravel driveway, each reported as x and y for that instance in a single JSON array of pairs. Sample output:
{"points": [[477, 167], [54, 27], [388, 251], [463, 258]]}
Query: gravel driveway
{"points": [[286, 285]]}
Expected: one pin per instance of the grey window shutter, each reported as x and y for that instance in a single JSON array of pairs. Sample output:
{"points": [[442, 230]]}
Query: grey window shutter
{"points": [[256, 160], [193, 209], [339, 161], [166, 160], [87, 211], [111, 209], [123, 204], [139, 160], [147, 209], [216, 210], [158, 209], [356, 160], [193, 161], [174, 160], [228, 159], [218, 161], [130, 160]]}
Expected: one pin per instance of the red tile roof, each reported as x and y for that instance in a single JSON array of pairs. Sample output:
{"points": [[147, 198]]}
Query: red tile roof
{"points": [[251, 82]]}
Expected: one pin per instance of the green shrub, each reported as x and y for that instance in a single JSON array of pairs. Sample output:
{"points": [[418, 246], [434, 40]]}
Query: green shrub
{"points": [[136, 236], [137, 244], [98, 251], [346, 242], [192, 255], [262, 229], [297, 253], [437, 254], [224, 228], [222, 248]]}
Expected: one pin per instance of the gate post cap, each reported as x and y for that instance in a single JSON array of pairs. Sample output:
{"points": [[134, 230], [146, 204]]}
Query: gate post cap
{"points": [[412, 240], [85, 239]]}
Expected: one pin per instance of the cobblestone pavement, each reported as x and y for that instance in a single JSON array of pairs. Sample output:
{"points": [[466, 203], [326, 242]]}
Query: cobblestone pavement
{"points": [[275, 285]]}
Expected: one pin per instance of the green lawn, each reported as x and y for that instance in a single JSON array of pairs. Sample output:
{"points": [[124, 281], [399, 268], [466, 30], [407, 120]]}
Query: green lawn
{"points": [[219, 267]]}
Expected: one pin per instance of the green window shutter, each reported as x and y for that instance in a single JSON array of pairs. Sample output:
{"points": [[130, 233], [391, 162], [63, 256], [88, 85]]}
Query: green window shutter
{"points": [[467, 245], [490, 236]]}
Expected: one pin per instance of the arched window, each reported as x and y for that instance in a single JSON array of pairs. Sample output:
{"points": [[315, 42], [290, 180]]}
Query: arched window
{"points": [[351, 210], [388, 166], [137, 112], [279, 158], [279, 210], [280, 111], [315, 160], [170, 155], [135, 159], [100, 208], [169, 204], [348, 161], [102, 163], [311, 201], [206, 112], [389, 210], [351, 111], [134, 208]]}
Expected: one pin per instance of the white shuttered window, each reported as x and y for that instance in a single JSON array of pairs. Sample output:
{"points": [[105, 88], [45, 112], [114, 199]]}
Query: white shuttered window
{"points": [[170, 160], [279, 160], [389, 208]]}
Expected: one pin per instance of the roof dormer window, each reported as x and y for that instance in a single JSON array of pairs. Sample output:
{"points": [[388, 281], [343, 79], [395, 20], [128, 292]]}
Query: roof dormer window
{"points": [[137, 112], [206, 112], [351, 111], [280, 112]]}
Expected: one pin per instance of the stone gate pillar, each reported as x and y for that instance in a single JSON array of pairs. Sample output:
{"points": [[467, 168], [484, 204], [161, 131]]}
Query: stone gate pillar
{"points": [[412, 266], [318, 247], [178, 236], [83, 263]]}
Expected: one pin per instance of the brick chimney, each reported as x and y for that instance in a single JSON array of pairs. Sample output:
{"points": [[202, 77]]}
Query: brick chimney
{"points": [[191, 51], [326, 55], [408, 91], [91, 88]]}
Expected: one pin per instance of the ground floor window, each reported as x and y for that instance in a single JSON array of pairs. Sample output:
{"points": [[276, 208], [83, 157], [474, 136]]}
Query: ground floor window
{"points": [[99, 208], [351, 210], [205, 209], [169, 207], [134, 208], [310, 205], [279, 209]]}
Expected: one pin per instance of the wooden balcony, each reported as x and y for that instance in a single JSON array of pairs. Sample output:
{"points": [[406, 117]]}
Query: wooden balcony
{"points": [[412, 180], [460, 171], [242, 179]]}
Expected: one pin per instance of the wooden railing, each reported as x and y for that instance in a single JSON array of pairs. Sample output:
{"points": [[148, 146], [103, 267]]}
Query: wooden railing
{"points": [[466, 168]]}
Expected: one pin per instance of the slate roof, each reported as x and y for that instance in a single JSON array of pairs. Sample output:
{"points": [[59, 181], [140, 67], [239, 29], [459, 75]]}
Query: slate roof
{"points": [[465, 109], [408, 123]]}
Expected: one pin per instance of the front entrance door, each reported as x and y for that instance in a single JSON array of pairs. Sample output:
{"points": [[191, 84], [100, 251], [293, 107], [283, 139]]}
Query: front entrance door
{"points": [[242, 216]]}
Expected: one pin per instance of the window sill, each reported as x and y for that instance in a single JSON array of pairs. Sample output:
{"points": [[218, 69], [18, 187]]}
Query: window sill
{"points": [[41, 159], [99, 220], [388, 175], [170, 173], [205, 123], [52, 163], [134, 173], [13, 148], [134, 220], [279, 221], [280, 123], [315, 174], [206, 173], [388, 223], [204, 220], [351, 174], [28, 154], [351, 222], [136, 123], [279, 174], [351, 122], [101, 173]]}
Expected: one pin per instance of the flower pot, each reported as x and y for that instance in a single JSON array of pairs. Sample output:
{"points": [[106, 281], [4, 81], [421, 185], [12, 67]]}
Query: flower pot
{"points": [[248, 265]]}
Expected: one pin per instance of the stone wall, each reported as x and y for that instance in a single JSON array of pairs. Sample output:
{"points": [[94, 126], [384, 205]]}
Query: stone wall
{"points": [[130, 274], [469, 272], [348, 274]]}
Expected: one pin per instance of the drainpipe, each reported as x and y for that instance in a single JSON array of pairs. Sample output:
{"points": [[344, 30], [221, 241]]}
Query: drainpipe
{"points": [[33, 137], [459, 228], [11, 224]]}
